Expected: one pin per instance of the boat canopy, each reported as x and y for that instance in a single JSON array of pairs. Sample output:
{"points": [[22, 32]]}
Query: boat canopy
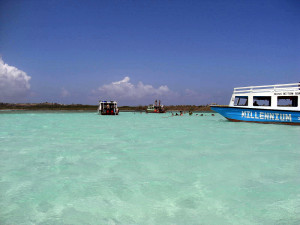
{"points": [[278, 96]]}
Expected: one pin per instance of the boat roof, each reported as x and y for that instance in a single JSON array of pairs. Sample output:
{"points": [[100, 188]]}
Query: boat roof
{"points": [[267, 88], [109, 102]]}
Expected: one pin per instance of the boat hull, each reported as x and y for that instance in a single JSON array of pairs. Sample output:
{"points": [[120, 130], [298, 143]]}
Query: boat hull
{"points": [[154, 112], [237, 114], [110, 113]]}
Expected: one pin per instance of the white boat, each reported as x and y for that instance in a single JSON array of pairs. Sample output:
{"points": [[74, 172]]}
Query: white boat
{"points": [[263, 104], [108, 108], [156, 108]]}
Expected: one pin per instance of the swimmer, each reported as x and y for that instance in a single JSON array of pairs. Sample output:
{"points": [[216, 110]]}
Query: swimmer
{"points": [[212, 114]]}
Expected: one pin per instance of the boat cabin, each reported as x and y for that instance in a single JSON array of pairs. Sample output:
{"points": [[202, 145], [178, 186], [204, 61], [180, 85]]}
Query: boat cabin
{"points": [[274, 97], [108, 108]]}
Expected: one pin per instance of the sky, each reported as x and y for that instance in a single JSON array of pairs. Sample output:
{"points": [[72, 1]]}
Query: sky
{"points": [[182, 52]]}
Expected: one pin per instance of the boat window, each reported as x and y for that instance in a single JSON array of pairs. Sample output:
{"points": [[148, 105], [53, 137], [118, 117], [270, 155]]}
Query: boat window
{"points": [[241, 101], [262, 101], [287, 101]]}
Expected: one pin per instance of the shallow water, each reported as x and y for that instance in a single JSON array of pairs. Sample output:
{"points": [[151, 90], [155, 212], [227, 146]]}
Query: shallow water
{"points": [[83, 168]]}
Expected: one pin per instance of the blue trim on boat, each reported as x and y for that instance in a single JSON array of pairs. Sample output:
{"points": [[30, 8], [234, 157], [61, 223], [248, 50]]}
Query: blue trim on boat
{"points": [[258, 115]]}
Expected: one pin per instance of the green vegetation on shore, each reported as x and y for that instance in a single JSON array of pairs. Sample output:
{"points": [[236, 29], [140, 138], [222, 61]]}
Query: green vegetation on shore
{"points": [[47, 106], [56, 106]]}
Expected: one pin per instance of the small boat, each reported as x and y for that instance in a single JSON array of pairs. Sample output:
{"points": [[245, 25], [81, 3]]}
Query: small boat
{"points": [[263, 104], [108, 108], [156, 108]]}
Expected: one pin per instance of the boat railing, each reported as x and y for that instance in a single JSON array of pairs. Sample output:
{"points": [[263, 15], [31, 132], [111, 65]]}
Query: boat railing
{"points": [[267, 88]]}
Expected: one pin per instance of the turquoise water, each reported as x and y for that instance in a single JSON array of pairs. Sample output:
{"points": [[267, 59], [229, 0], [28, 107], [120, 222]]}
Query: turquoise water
{"points": [[83, 168]]}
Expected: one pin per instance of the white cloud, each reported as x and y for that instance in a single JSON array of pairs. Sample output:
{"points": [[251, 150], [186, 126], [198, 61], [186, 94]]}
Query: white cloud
{"points": [[14, 83], [125, 80], [64, 93], [123, 89]]}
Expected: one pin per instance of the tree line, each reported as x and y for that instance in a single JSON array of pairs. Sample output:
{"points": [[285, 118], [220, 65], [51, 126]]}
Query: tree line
{"points": [[57, 106]]}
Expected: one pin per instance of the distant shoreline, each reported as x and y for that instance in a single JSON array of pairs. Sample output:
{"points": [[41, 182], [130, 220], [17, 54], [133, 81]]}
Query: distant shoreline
{"points": [[93, 108]]}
